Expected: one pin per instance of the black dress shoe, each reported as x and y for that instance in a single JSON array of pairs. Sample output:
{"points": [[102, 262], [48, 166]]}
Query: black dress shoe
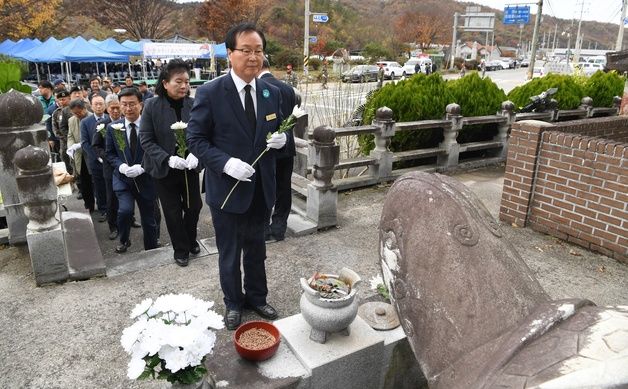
{"points": [[113, 235], [121, 249], [195, 250], [183, 262], [79, 196], [233, 318], [102, 218], [135, 224], [266, 311]]}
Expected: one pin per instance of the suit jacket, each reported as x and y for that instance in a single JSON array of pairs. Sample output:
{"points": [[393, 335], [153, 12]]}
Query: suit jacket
{"points": [[218, 130], [88, 129], [74, 136], [288, 101], [156, 136], [117, 157]]}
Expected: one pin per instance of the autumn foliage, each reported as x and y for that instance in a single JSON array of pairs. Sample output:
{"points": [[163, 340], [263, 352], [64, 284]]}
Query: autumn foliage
{"points": [[23, 18]]}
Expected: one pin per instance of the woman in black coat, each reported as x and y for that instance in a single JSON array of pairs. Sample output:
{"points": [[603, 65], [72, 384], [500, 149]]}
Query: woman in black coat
{"points": [[166, 159]]}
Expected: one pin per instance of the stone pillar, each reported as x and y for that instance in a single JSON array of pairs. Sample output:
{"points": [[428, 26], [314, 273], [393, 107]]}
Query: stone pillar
{"points": [[386, 130], [450, 146], [508, 111], [617, 104], [38, 194], [301, 158], [20, 114], [587, 104], [322, 195]]}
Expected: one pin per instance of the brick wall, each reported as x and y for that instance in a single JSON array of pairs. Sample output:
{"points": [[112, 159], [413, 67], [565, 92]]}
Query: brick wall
{"points": [[570, 185]]}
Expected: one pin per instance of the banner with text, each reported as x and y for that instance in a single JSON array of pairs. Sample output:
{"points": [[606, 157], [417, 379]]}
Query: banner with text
{"points": [[184, 50]]}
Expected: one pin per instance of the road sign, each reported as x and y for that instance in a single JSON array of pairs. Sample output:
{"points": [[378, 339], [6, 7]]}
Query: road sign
{"points": [[320, 18], [625, 22], [517, 14], [313, 39]]}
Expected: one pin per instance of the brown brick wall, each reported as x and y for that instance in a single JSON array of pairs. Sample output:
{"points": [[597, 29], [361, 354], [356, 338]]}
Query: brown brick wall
{"points": [[580, 188], [613, 128]]}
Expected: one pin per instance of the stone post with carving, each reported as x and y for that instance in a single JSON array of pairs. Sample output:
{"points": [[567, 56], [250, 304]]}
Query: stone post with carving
{"points": [[20, 115], [38, 194], [322, 195], [508, 111], [586, 104], [301, 159], [386, 130], [450, 145]]}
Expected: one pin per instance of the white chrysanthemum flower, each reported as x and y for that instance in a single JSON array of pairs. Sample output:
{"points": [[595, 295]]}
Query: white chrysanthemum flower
{"points": [[132, 334], [376, 281], [100, 126], [136, 368], [175, 358], [118, 126], [179, 126], [297, 111], [141, 308]]}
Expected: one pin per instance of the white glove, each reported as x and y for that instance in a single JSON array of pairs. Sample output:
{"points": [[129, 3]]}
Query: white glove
{"points": [[123, 168], [192, 161], [99, 159], [239, 170], [70, 152], [134, 171], [276, 141], [176, 162]]}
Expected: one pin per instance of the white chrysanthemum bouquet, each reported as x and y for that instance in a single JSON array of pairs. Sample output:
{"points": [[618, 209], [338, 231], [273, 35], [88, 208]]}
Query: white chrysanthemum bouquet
{"points": [[171, 338]]}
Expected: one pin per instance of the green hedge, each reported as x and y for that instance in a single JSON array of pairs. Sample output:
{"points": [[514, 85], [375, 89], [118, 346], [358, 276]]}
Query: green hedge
{"points": [[602, 87]]}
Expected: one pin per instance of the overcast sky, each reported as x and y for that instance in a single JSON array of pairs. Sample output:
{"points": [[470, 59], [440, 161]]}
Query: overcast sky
{"points": [[605, 11]]}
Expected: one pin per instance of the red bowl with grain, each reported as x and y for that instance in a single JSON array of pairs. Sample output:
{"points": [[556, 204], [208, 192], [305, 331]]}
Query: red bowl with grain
{"points": [[256, 340]]}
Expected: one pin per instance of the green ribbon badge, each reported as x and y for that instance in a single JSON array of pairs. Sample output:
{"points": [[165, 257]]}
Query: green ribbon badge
{"points": [[266, 93]]}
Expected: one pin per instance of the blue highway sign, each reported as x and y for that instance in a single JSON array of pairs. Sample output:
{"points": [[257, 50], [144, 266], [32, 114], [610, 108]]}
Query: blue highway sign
{"points": [[517, 14], [320, 18]]}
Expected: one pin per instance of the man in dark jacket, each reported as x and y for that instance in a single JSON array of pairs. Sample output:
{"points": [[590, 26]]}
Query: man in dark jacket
{"points": [[285, 161]]}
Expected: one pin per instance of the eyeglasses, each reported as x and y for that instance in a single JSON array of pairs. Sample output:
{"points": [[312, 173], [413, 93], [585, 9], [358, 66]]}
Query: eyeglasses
{"points": [[128, 105], [249, 52]]}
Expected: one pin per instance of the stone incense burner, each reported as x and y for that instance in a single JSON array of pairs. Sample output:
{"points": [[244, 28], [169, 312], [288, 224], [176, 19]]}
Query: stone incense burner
{"points": [[329, 315]]}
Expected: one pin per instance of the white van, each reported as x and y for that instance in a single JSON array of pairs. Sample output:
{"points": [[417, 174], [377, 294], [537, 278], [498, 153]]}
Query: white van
{"points": [[408, 67]]}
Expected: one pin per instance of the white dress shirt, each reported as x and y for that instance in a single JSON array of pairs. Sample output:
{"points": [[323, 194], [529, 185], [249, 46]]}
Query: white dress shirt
{"points": [[240, 84]]}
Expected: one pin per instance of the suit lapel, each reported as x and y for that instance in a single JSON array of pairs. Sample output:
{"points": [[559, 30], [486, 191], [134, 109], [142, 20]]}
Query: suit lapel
{"points": [[236, 105]]}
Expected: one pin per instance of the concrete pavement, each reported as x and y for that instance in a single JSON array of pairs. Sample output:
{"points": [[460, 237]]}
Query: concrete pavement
{"points": [[68, 335]]}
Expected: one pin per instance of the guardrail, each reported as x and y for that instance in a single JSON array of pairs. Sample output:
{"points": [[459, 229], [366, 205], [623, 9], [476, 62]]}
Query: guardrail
{"points": [[315, 164]]}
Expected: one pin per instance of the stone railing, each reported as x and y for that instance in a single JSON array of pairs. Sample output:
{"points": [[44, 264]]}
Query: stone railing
{"points": [[314, 163]]}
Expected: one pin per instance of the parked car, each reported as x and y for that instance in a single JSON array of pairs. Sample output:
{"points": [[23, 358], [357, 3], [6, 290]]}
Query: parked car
{"points": [[588, 68], [494, 65], [507, 63], [538, 72], [361, 73], [409, 66], [525, 63], [392, 69]]}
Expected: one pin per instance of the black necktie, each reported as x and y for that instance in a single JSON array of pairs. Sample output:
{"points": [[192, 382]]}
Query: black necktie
{"points": [[249, 109], [133, 140]]}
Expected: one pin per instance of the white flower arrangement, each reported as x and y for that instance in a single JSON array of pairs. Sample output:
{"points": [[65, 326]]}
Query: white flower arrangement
{"points": [[172, 334], [118, 126], [100, 127], [179, 126]]}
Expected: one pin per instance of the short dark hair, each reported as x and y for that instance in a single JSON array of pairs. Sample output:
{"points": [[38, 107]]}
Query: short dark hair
{"points": [[77, 103], [76, 89], [46, 84], [173, 67], [94, 78], [132, 91], [265, 64], [232, 34], [128, 77]]}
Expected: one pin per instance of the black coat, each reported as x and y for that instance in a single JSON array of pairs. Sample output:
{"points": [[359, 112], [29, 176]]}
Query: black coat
{"points": [[288, 101]]}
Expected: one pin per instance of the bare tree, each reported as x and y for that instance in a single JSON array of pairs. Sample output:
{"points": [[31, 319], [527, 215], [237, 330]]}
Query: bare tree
{"points": [[140, 18], [217, 16]]}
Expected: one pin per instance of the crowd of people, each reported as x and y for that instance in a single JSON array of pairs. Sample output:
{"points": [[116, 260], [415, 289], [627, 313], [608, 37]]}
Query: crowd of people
{"points": [[127, 146]]}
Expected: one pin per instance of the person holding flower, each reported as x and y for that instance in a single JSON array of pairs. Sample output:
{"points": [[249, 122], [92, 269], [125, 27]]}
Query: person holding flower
{"points": [[130, 182], [233, 132], [166, 159]]}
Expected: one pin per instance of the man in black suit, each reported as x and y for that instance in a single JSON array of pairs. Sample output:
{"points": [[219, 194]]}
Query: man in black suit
{"points": [[229, 124], [276, 230], [130, 182]]}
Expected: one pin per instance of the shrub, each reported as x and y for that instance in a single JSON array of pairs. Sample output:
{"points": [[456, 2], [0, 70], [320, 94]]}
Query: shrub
{"points": [[569, 93], [602, 87], [286, 57], [314, 63]]}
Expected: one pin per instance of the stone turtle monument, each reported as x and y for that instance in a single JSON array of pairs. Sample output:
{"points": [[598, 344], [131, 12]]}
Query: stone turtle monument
{"points": [[474, 314]]}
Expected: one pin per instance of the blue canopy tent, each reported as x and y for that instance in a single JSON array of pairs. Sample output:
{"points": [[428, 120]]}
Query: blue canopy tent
{"points": [[6, 45], [23, 45], [220, 50], [112, 46], [47, 52], [137, 46], [79, 50]]}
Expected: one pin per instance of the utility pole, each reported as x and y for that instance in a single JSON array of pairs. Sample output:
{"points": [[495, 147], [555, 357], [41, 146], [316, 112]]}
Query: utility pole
{"points": [[555, 31], [306, 39], [620, 35], [578, 46], [535, 38], [453, 42]]}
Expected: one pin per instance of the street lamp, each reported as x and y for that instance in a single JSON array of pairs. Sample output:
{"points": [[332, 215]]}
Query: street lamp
{"points": [[119, 30]]}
